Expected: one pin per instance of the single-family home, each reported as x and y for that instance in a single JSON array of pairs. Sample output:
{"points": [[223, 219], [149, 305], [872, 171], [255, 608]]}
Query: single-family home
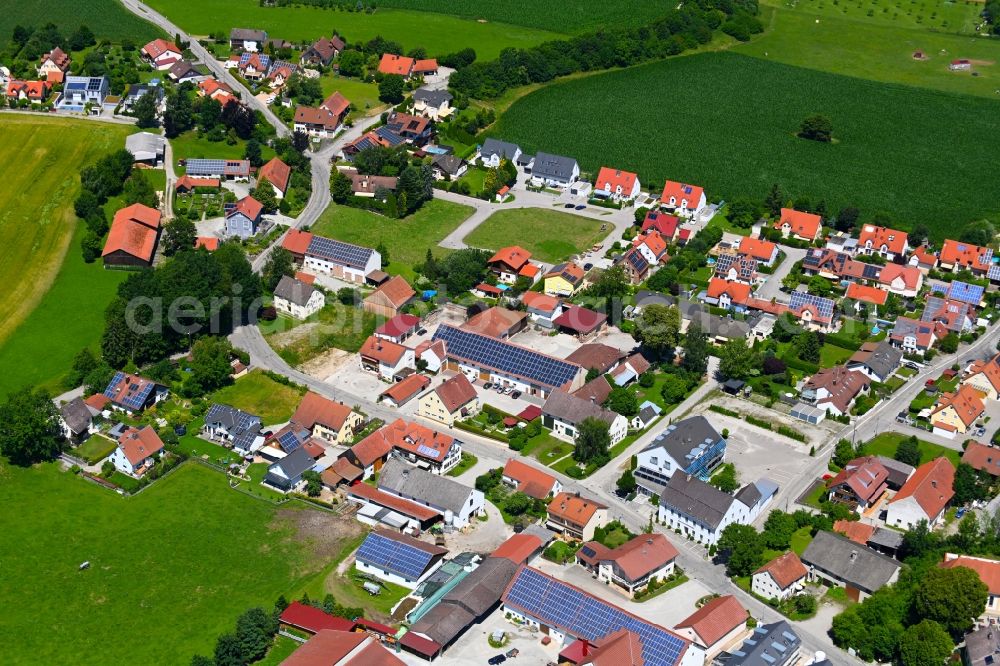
{"points": [[380, 137], [494, 151], [432, 104], [836, 561], [956, 412], [322, 51], [774, 644], [542, 309], [343, 261], [277, 173], [79, 91], [367, 186], [529, 480], [285, 475], [146, 147], [405, 390], [554, 171], [247, 39], [132, 393], [924, 496], [765, 252], [616, 185], [800, 225], [835, 389], [399, 328], [391, 296], [715, 625], [55, 63], [453, 400], [781, 578], [629, 370], [76, 420], [912, 336], [385, 358], [244, 217], [137, 451], [814, 313], [989, 573], [564, 280], [33, 91], [954, 316], [508, 262], [182, 71], [902, 280], [983, 457], [233, 427], [663, 223], [648, 413], [701, 511], [576, 516], [690, 446], [598, 357], [254, 66], [860, 485], [728, 295], [682, 199], [888, 243], [736, 268], [433, 353], [448, 167], [413, 129], [137, 91], [984, 376], [877, 360], [161, 54], [215, 89], [458, 503], [982, 647], [398, 558], [406, 67], [631, 566], [297, 299], [957, 255], [563, 413], [652, 245], [862, 293]]}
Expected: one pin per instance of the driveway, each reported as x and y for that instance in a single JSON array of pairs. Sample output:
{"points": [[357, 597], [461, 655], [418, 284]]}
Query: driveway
{"points": [[772, 285]]}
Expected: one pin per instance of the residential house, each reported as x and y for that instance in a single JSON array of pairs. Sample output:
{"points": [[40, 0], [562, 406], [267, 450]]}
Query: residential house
{"points": [[665, 224], [989, 573], [399, 328], [215, 168], [616, 185], [800, 225], [322, 51], [498, 361], [370, 454], [79, 91], [146, 147], [494, 151], [247, 39], [924, 496], [76, 420], [132, 393], [297, 299], [244, 217], [380, 137], [877, 360], [433, 353], [582, 322], [385, 358], [278, 174], [453, 400], [389, 298], [406, 67], [701, 511], [564, 280], [652, 245], [554, 171], [815, 313], [343, 261], [716, 624], [542, 309], [983, 457], [774, 644], [781, 578], [458, 503], [398, 558], [912, 336], [956, 256], [213, 89], [497, 322], [596, 390], [860, 485], [342, 648], [254, 66], [835, 389], [887, 243], [902, 280], [285, 475], [137, 451], [405, 390], [448, 167], [432, 104], [137, 91], [923, 258], [508, 262], [575, 516], [631, 566], [32, 91], [682, 199], [836, 561], [182, 71], [563, 413], [54, 64], [954, 316], [135, 231], [630, 370], [529, 480], [982, 647], [862, 293], [955, 413], [369, 187], [419, 445], [984, 376], [765, 252], [690, 446], [413, 129], [233, 427], [161, 54], [728, 295], [736, 268]]}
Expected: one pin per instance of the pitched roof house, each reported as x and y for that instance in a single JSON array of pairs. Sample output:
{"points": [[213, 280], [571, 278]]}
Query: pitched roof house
{"points": [[954, 413], [989, 573], [888, 243], [132, 239], [385, 358], [983, 457], [860, 484], [924, 496], [616, 184], [684, 200], [564, 279], [632, 565], [455, 399], [782, 577], [576, 516], [389, 298], [804, 226], [554, 170], [662, 222], [727, 294], [507, 263], [984, 376], [244, 217], [161, 54], [137, 451], [448, 497], [563, 413], [835, 389], [530, 480], [690, 446], [715, 624], [277, 173], [330, 420], [322, 51], [912, 336], [958, 255], [297, 299], [835, 560]]}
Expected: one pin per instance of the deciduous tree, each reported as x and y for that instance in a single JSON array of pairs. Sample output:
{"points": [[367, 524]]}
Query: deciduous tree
{"points": [[953, 598], [817, 127], [592, 442], [29, 427], [925, 644], [743, 549]]}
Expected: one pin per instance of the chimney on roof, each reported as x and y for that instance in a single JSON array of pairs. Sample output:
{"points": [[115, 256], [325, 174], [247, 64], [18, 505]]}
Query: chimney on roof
{"points": [[585, 649], [854, 555]]}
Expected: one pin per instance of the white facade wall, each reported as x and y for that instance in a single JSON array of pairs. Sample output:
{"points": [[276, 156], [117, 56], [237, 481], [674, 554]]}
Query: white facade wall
{"points": [[315, 304], [906, 513], [737, 513], [765, 585]]}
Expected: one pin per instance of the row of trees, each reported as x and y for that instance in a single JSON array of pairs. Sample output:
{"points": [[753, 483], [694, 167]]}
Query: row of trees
{"points": [[28, 44]]}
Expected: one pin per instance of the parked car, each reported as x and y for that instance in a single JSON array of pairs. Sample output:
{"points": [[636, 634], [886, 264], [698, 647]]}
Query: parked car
{"points": [[513, 652], [421, 331], [960, 512], [498, 659], [569, 205], [587, 267], [515, 394], [487, 386], [581, 206]]}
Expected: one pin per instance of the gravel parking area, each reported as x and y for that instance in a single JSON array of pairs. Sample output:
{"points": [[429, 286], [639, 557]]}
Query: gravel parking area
{"points": [[562, 345], [472, 647]]}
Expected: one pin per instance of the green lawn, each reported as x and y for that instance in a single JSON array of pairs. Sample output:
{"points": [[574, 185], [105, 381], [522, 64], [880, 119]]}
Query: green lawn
{"points": [[885, 444], [189, 145], [407, 240], [96, 448], [282, 648], [831, 355], [801, 539], [362, 96], [546, 448], [549, 235], [347, 591], [438, 33], [467, 462], [336, 326], [258, 394], [165, 560], [885, 135], [106, 18], [256, 472]]}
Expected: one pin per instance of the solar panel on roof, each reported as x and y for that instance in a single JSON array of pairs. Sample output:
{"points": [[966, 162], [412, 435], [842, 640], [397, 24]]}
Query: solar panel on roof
{"points": [[425, 450], [394, 556], [824, 306], [339, 252], [289, 441], [871, 272], [994, 273], [966, 293], [205, 167]]}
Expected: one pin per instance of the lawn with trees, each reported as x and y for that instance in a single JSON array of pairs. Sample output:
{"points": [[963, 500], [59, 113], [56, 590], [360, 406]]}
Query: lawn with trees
{"points": [[549, 235]]}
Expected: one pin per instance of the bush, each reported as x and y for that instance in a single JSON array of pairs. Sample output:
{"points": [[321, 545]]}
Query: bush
{"points": [[723, 410]]}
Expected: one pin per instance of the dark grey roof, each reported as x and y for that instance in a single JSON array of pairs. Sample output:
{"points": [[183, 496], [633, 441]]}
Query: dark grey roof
{"points": [[571, 409], [137, 90], [294, 291], [899, 472], [770, 645], [77, 415], [247, 34], [502, 148], [886, 538], [433, 97], [339, 252], [553, 166], [849, 562], [750, 495], [690, 496], [242, 426], [647, 414], [183, 69], [295, 463], [448, 163], [543, 533], [480, 590], [424, 487], [882, 360], [713, 325], [682, 440], [982, 644]]}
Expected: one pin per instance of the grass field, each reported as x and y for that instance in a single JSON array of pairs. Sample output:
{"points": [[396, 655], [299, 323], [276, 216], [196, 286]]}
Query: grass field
{"points": [[106, 18], [885, 445], [735, 140], [190, 145], [96, 448], [438, 33], [259, 394], [336, 326], [407, 240], [362, 96], [167, 560], [549, 235], [940, 15]]}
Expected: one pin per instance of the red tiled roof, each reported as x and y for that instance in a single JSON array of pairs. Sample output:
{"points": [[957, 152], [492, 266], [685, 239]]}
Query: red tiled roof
{"points": [[191, 182], [989, 368], [513, 256], [581, 320], [925, 257], [312, 619], [249, 207], [315, 409], [930, 486], [137, 445], [276, 172], [806, 225], [877, 237], [964, 254], [342, 470], [861, 292], [982, 457], [717, 618], [988, 570], [373, 447], [307, 278], [425, 66], [343, 648], [785, 569], [456, 392], [966, 401], [518, 548], [574, 508], [910, 275], [761, 250], [336, 104], [530, 480], [611, 179], [539, 301], [843, 385], [738, 292], [403, 391], [529, 270], [418, 439], [97, 401], [640, 555], [158, 47], [398, 504], [680, 192], [653, 240], [296, 241], [398, 325], [865, 477], [308, 115], [419, 644], [662, 222], [210, 243], [394, 64], [58, 57], [488, 289], [855, 531], [134, 231], [395, 290], [496, 322], [530, 413], [382, 350]]}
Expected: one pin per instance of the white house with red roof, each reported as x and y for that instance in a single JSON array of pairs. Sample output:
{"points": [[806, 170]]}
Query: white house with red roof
{"points": [[278, 174], [888, 243], [529, 480], [631, 566], [664, 223], [924, 496], [137, 451], [957, 255], [652, 245], [727, 294], [989, 572], [765, 252], [510, 263], [782, 577], [161, 54], [902, 280], [800, 225], [616, 185], [716, 625], [684, 200]]}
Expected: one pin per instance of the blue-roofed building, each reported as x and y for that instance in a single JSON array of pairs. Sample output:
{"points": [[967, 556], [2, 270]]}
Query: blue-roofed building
{"points": [[966, 293], [398, 558], [813, 312], [569, 616], [79, 91], [492, 360], [132, 393]]}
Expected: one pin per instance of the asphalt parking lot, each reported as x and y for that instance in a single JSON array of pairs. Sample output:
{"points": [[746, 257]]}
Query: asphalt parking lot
{"points": [[562, 345]]}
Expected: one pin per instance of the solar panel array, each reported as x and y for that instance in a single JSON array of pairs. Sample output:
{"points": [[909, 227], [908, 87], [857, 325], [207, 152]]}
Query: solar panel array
{"points": [[205, 167], [392, 137], [338, 252], [824, 306], [289, 441], [393, 556], [556, 604], [505, 357], [745, 266], [264, 59], [638, 262], [425, 450], [871, 272], [94, 84], [993, 274], [967, 293], [130, 398]]}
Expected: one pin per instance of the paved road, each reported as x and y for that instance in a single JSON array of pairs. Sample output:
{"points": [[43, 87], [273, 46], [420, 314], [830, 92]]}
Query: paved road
{"points": [[772, 286]]}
